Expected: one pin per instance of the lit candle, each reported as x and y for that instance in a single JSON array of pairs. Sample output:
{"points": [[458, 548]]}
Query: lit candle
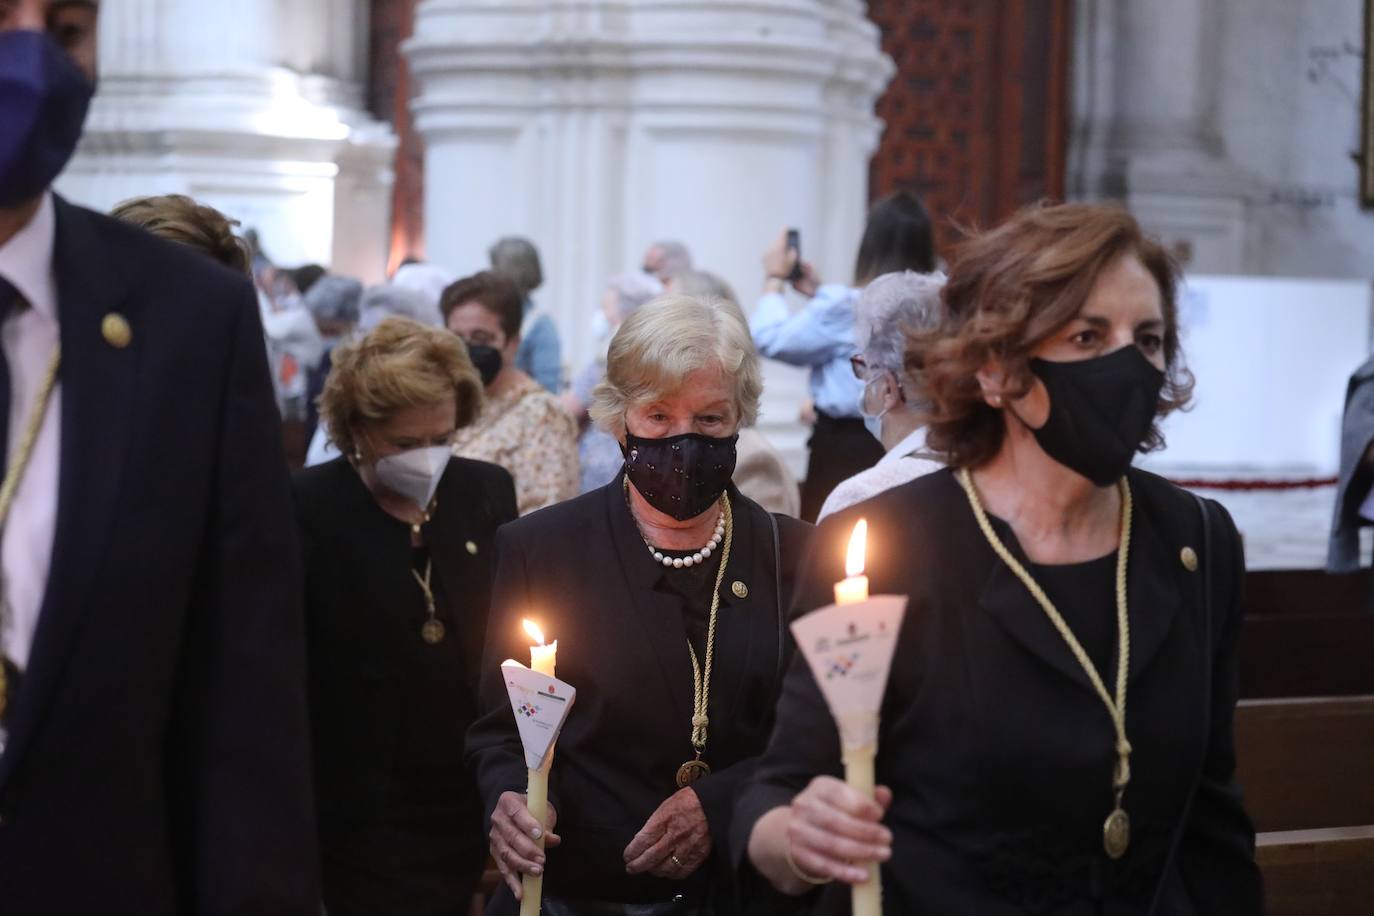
{"points": [[542, 657], [866, 898], [854, 587], [542, 660]]}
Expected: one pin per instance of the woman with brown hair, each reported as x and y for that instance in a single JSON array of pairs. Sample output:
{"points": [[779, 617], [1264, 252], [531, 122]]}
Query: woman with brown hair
{"points": [[397, 537], [1057, 732]]}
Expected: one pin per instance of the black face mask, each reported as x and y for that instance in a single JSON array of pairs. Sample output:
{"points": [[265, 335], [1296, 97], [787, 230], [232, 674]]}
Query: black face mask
{"points": [[487, 361], [1100, 411], [682, 475]]}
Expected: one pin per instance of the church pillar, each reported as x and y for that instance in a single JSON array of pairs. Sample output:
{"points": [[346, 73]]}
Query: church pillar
{"points": [[597, 127], [252, 106], [1145, 104]]}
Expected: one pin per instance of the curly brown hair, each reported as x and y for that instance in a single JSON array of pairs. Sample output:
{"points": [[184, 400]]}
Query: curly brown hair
{"points": [[181, 219], [400, 364], [1010, 289]]}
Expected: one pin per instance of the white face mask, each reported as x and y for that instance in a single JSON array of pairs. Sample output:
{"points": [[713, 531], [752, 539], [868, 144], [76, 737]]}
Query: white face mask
{"points": [[414, 474]]}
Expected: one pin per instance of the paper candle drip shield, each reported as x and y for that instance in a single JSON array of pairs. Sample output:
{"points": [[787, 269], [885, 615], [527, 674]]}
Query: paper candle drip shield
{"points": [[541, 704], [849, 649]]}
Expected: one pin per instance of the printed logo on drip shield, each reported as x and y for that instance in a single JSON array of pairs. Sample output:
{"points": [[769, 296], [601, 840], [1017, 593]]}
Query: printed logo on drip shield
{"points": [[528, 710], [841, 665]]}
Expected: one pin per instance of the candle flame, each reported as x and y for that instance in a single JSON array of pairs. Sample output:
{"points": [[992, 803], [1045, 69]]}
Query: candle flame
{"points": [[858, 544], [535, 633]]}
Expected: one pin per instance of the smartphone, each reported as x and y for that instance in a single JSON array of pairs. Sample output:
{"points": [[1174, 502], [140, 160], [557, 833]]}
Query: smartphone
{"points": [[794, 244]]}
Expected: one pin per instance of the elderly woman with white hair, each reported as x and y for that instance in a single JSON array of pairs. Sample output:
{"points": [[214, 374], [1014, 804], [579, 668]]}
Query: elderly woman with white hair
{"points": [[667, 591], [889, 308]]}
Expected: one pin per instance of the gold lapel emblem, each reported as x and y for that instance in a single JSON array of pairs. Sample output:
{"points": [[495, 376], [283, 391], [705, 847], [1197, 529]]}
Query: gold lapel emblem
{"points": [[116, 331], [1188, 556], [739, 589], [472, 547]]}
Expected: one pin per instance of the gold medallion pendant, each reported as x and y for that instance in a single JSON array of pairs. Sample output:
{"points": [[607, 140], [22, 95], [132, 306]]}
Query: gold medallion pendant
{"points": [[432, 632], [1116, 833], [691, 771]]}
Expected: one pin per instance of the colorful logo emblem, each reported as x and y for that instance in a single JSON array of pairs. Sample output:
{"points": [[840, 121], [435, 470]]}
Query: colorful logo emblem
{"points": [[528, 710], [841, 665]]}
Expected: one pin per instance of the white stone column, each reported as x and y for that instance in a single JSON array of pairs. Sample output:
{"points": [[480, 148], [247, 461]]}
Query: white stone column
{"points": [[1146, 88], [599, 126], [252, 106]]}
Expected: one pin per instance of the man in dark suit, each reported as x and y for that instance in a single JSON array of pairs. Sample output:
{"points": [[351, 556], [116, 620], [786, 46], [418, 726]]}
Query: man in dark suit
{"points": [[155, 750]]}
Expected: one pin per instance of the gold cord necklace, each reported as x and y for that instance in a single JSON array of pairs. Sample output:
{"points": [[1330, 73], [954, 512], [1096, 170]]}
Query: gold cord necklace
{"points": [[15, 474], [433, 630], [1116, 830], [696, 768]]}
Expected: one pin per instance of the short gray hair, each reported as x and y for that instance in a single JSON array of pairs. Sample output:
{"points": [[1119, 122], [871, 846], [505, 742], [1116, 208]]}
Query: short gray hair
{"points": [[632, 290], [518, 259], [387, 300], [890, 307], [674, 258], [658, 346], [334, 298], [703, 283]]}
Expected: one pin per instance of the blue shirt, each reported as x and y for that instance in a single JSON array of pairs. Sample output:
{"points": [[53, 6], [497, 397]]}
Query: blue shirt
{"points": [[820, 337], [540, 355]]}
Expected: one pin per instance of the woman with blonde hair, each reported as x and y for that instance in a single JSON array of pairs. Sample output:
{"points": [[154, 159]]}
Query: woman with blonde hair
{"points": [[397, 536], [1056, 736], [666, 590]]}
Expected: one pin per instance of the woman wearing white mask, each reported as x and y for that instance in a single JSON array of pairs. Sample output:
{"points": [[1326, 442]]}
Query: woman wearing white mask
{"points": [[397, 538]]}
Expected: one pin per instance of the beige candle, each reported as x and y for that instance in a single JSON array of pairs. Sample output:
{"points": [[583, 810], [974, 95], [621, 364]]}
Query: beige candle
{"points": [[543, 660], [859, 763]]}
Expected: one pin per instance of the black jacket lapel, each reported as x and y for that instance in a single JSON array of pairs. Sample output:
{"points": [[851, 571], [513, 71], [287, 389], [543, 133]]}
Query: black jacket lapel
{"points": [[97, 385]]}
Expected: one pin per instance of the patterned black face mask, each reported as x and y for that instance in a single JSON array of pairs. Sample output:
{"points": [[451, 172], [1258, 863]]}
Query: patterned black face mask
{"points": [[682, 475]]}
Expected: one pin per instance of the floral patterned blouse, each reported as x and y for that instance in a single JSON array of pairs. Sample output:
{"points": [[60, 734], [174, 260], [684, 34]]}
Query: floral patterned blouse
{"points": [[526, 431]]}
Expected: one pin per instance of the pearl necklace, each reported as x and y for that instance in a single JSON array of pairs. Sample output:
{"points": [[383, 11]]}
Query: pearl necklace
{"points": [[699, 557]]}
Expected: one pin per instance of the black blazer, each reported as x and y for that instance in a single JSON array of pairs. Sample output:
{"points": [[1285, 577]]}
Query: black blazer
{"points": [[997, 749], [400, 822], [581, 569], [158, 758]]}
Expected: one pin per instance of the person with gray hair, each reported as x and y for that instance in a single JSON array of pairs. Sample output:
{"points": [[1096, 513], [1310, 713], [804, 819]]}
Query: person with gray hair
{"points": [[667, 259], [392, 300], [376, 304], [890, 307], [332, 302], [541, 352], [597, 452], [668, 590]]}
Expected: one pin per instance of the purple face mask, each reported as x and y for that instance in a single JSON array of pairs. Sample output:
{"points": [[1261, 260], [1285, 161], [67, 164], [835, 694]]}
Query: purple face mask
{"points": [[43, 102]]}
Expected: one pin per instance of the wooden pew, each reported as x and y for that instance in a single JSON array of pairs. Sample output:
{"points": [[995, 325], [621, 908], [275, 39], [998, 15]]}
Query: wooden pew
{"points": [[1306, 633], [1318, 872], [1307, 768]]}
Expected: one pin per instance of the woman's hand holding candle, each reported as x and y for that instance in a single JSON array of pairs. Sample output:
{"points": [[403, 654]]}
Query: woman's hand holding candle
{"points": [[514, 839], [830, 832]]}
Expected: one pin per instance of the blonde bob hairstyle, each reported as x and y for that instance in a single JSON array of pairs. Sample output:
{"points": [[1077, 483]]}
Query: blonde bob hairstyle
{"points": [[668, 339], [400, 364]]}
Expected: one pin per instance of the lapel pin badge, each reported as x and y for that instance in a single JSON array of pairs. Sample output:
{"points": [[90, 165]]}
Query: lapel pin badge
{"points": [[1189, 557], [472, 547], [116, 331]]}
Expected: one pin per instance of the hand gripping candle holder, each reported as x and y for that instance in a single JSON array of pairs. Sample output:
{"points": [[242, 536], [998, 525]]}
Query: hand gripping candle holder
{"points": [[541, 704]]}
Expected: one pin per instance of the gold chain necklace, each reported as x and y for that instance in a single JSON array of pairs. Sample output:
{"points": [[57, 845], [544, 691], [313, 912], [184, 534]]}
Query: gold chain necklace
{"points": [[15, 474], [696, 768], [1116, 830]]}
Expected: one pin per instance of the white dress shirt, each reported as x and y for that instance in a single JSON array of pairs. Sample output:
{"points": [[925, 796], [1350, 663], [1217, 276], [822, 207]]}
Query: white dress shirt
{"points": [[901, 464], [29, 336]]}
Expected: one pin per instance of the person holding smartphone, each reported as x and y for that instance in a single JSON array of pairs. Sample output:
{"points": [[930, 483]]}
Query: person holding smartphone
{"points": [[820, 335]]}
